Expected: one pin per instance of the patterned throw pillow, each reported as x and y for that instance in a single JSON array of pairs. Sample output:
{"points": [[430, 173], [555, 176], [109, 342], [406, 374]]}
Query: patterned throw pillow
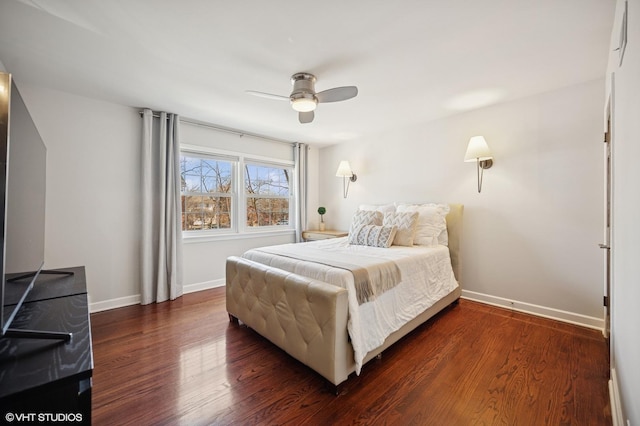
{"points": [[367, 217], [373, 236], [406, 223]]}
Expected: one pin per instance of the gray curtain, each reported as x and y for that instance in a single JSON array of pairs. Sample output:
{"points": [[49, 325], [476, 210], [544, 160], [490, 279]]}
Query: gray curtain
{"points": [[300, 158], [161, 245]]}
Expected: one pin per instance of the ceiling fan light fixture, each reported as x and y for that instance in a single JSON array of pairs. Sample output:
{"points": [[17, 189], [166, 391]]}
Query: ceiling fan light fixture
{"points": [[304, 102], [304, 98]]}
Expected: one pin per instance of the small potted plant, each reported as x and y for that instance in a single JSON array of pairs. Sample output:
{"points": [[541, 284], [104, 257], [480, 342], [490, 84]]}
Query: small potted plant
{"points": [[321, 212]]}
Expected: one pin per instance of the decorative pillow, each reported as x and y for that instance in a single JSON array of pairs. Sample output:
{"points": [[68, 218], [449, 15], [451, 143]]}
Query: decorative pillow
{"points": [[432, 224], [406, 223], [365, 217], [373, 236], [383, 208]]}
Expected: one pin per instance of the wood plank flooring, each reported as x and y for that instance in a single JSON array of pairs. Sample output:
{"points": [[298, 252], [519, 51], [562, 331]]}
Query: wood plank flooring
{"points": [[183, 363]]}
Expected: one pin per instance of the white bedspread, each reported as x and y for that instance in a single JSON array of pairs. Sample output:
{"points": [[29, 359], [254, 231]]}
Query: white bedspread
{"points": [[426, 274]]}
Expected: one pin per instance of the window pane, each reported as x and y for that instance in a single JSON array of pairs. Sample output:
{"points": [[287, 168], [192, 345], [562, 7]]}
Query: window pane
{"points": [[192, 204], [217, 212], [202, 177], [266, 180], [193, 221], [191, 183], [205, 175], [216, 176], [267, 211], [190, 165], [206, 213]]}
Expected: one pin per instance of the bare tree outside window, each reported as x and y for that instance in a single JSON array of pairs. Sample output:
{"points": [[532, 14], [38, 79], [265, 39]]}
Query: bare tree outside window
{"points": [[267, 192], [206, 188]]}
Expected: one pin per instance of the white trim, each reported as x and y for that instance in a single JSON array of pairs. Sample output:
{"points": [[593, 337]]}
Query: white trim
{"points": [[614, 396], [541, 311], [120, 302], [206, 285], [206, 238]]}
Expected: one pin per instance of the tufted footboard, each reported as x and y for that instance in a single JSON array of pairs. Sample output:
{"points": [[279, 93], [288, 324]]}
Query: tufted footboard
{"points": [[304, 317]]}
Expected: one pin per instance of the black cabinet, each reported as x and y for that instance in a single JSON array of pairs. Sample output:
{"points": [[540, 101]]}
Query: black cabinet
{"points": [[49, 380]]}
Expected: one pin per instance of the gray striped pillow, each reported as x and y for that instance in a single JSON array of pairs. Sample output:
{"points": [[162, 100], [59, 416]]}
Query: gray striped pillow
{"points": [[373, 235]]}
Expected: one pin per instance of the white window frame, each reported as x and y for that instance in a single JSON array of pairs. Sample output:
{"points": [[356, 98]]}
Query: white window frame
{"points": [[261, 163], [239, 228]]}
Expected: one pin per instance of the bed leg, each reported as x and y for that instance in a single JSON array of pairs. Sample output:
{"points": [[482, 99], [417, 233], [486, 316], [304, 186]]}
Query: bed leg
{"points": [[233, 320], [334, 389]]}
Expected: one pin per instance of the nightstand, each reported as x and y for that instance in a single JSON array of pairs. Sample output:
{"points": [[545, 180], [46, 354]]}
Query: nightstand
{"points": [[322, 235]]}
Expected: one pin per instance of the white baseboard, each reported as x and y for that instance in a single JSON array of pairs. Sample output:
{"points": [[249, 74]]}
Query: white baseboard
{"points": [[135, 300], [120, 302], [556, 314], [541, 311], [614, 397], [206, 285]]}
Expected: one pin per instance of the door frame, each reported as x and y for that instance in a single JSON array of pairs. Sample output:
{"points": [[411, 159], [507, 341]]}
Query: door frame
{"points": [[606, 245]]}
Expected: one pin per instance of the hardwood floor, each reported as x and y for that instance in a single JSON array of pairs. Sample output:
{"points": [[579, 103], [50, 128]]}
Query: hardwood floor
{"points": [[183, 363]]}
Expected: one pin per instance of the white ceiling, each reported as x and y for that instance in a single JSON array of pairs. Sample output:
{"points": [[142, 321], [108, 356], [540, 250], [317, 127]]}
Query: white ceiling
{"points": [[412, 60]]}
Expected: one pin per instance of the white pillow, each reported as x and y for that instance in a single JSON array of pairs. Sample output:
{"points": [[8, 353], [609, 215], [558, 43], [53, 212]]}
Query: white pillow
{"points": [[406, 223], [374, 236], [365, 217], [382, 208], [432, 223]]}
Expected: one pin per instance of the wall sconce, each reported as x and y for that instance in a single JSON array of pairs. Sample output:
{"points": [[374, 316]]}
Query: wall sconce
{"points": [[479, 151], [344, 171]]}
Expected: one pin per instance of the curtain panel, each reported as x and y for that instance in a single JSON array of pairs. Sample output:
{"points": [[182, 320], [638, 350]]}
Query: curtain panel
{"points": [[161, 240], [300, 155]]}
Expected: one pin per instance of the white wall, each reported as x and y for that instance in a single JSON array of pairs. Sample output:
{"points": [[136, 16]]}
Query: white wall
{"points": [[625, 251], [532, 235], [93, 183]]}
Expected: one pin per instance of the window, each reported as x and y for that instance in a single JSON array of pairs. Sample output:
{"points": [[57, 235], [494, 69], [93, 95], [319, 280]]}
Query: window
{"points": [[207, 193], [227, 194], [267, 195]]}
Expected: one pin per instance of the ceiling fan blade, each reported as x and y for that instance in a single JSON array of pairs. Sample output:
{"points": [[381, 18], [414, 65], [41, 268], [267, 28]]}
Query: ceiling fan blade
{"points": [[337, 94], [305, 117], [268, 95]]}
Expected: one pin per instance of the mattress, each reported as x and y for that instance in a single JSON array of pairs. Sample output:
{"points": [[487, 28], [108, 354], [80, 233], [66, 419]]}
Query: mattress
{"points": [[426, 277]]}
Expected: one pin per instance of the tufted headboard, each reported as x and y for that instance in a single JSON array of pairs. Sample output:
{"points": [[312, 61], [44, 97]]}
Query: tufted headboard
{"points": [[454, 229]]}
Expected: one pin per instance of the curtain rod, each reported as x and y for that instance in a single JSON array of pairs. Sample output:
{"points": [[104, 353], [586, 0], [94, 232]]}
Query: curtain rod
{"points": [[225, 129]]}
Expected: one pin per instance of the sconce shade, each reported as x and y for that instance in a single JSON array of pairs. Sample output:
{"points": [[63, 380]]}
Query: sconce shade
{"points": [[477, 150], [344, 170]]}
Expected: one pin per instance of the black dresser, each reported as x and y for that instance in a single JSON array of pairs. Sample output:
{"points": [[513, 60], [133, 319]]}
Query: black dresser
{"points": [[49, 381]]}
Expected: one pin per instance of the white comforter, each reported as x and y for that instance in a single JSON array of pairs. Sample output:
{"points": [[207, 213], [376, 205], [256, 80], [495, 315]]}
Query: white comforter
{"points": [[427, 276]]}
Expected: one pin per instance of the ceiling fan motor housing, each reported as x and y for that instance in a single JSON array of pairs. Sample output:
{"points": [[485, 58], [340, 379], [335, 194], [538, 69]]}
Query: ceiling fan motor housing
{"points": [[303, 88], [303, 82]]}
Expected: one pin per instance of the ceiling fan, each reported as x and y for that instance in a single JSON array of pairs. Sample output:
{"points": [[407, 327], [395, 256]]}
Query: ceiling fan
{"points": [[304, 97]]}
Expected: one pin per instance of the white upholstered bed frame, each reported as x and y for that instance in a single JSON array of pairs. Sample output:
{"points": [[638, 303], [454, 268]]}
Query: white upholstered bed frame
{"points": [[307, 318]]}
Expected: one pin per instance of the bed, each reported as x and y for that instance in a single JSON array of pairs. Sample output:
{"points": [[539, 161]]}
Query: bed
{"points": [[308, 298]]}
